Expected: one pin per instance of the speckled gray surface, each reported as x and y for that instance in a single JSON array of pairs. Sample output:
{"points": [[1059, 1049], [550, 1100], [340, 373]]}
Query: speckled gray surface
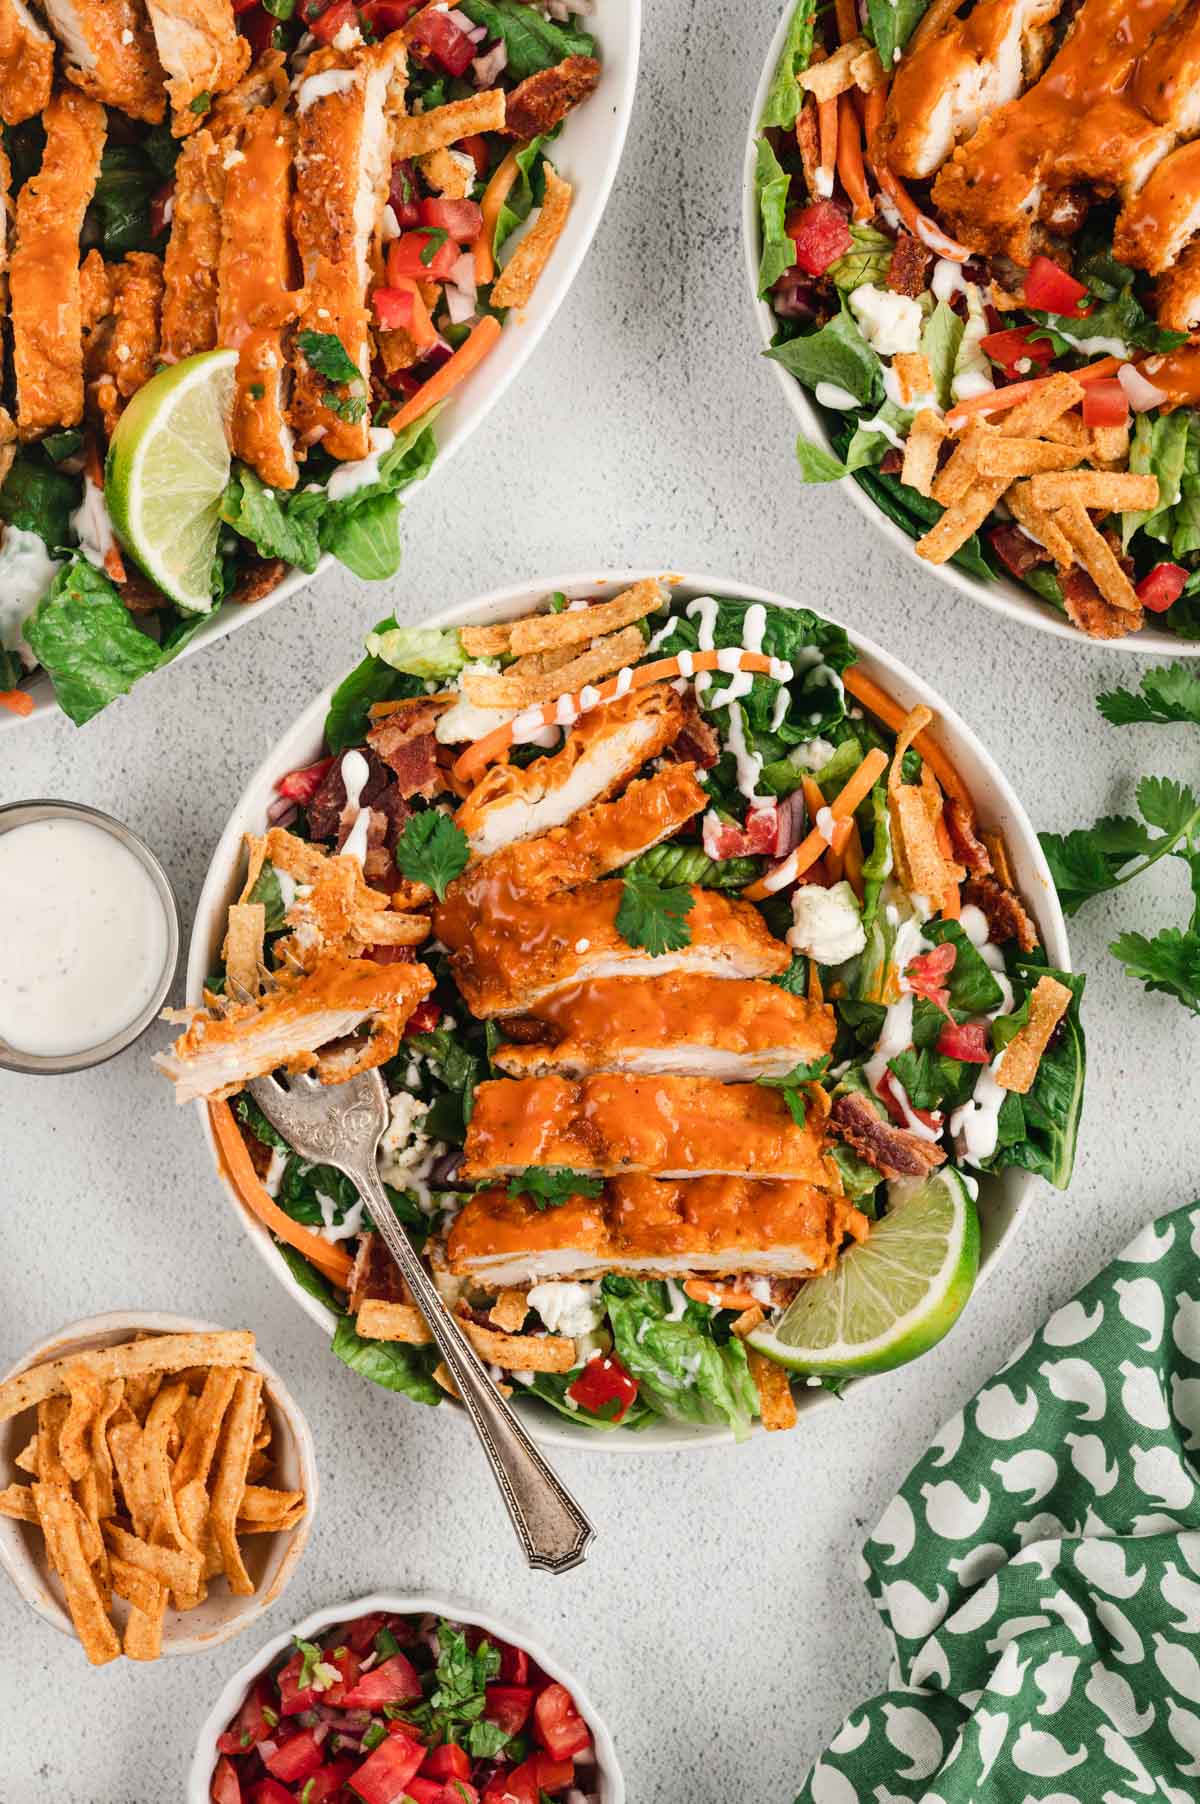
{"points": [[719, 1619]]}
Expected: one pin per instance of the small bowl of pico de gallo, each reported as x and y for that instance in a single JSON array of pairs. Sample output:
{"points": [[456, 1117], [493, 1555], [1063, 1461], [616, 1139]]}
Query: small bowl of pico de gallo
{"points": [[415, 1698]]}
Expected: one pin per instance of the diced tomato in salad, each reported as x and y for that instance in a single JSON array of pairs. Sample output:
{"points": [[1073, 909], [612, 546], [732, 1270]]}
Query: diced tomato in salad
{"points": [[463, 219], [820, 233], [603, 1381], [967, 1041], [1050, 289], [889, 1096], [327, 24], [1162, 587], [328, 1724], [423, 255], [393, 308], [1017, 351], [302, 785], [424, 1018], [443, 39], [926, 974], [1105, 403]]}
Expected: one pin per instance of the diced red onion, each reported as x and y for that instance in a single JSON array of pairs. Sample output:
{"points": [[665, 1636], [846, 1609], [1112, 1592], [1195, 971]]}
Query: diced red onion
{"points": [[1139, 392], [282, 812], [460, 290], [489, 66], [790, 819], [468, 26]]}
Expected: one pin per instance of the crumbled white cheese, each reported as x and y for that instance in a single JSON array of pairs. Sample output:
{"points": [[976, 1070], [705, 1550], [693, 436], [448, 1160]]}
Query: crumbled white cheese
{"points": [[571, 1309], [890, 322], [26, 572], [827, 924], [404, 1147]]}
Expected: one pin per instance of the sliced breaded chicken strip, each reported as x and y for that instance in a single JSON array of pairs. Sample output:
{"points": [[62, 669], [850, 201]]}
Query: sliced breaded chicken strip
{"points": [[949, 83], [121, 333], [1153, 229], [600, 754], [613, 1124], [290, 1025], [1177, 295], [343, 166], [255, 301], [601, 838], [517, 950], [26, 63], [1166, 83], [649, 1227], [201, 50], [44, 272], [108, 50], [1075, 121], [686, 1023]]}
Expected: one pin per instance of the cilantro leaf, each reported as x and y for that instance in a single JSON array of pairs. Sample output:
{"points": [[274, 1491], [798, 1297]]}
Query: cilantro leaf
{"points": [[453, 1709], [1081, 866], [1167, 804], [435, 237], [654, 915], [1167, 696], [350, 408], [432, 850], [549, 1186], [325, 353], [1169, 962], [792, 1085]]}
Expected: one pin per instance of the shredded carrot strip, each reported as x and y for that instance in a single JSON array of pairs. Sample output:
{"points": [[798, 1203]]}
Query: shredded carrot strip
{"points": [[331, 1260], [998, 400], [471, 352], [18, 700], [815, 992], [919, 224], [827, 134], [494, 196], [868, 692], [876, 106], [850, 160], [717, 1295], [815, 845], [847, 20], [493, 745]]}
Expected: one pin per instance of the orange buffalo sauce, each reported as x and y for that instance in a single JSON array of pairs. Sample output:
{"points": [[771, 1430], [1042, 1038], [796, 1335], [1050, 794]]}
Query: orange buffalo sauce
{"points": [[1177, 373]]}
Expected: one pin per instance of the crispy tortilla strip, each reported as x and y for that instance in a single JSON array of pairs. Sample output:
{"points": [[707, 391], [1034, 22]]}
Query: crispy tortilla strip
{"points": [[243, 949], [173, 1567], [599, 660], [520, 275], [1116, 491], [521, 1352], [141, 1388], [86, 1394], [416, 134], [1013, 457], [27, 1460], [52, 1413], [921, 865], [509, 1310], [159, 1496], [259, 1504], [276, 1525], [921, 448], [1001, 862], [161, 1353], [1109, 445], [101, 1457], [826, 80], [1020, 1059], [192, 1510], [377, 1320], [487, 641], [16, 1502], [1096, 555], [1069, 429], [776, 1404], [867, 70], [230, 1481], [60, 1520], [451, 172], [200, 1443], [148, 1601], [125, 1446], [580, 626], [441, 1375], [749, 1319], [962, 466], [913, 375], [256, 856], [1038, 523], [961, 520], [1046, 404]]}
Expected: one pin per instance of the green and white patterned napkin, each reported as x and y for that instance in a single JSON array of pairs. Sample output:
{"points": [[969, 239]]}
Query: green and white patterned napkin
{"points": [[1039, 1570]]}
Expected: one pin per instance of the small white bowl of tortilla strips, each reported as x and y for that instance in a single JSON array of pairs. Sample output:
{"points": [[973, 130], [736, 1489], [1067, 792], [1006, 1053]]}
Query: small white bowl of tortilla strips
{"points": [[157, 1483]]}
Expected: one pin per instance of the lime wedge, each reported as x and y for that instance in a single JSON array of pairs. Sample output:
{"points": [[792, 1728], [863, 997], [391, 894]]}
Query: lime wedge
{"points": [[168, 466], [893, 1297]]}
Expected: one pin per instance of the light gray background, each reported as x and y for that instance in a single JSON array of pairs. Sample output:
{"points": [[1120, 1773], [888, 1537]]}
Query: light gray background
{"points": [[719, 1620]]}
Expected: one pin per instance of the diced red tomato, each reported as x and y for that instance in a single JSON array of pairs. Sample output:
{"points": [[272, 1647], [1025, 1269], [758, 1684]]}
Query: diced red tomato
{"points": [[226, 1787], [600, 1381], [444, 39], [293, 1699], [258, 27], [463, 219], [361, 1635], [558, 1725], [522, 1785], [302, 785], [393, 1681], [424, 1017], [295, 1758], [243, 6], [820, 233], [346, 1661], [158, 208], [269, 1791], [725, 839], [327, 1781], [509, 1706], [885, 1090], [1105, 403], [1050, 289], [1017, 351], [514, 1664], [404, 257], [476, 147], [1162, 587], [388, 15], [393, 308], [447, 1762], [925, 975], [327, 24], [968, 1042], [250, 1725], [384, 1775], [434, 1791]]}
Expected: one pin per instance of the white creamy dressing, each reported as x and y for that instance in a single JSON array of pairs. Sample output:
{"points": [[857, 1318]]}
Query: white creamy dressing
{"points": [[288, 888], [947, 280], [92, 526], [26, 572], [663, 634], [889, 322], [829, 394], [748, 764], [975, 1126], [85, 936], [704, 609], [360, 472], [355, 771]]}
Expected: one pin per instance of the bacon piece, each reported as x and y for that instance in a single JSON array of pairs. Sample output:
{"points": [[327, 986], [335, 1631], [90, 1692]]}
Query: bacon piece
{"points": [[1016, 550], [376, 1276], [969, 849], [1005, 913], [405, 741], [894, 1151], [906, 271], [537, 104], [697, 741]]}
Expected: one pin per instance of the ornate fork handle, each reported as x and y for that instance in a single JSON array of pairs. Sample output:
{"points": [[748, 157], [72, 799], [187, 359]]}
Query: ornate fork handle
{"points": [[553, 1529]]}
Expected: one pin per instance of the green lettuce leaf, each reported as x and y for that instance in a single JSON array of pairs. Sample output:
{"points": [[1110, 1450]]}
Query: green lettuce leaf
{"points": [[1038, 1129], [389, 1363], [817, 464], [38, 498], [533, 42], [892, 23], [783, 95], [837, 353], [771, 183], [371, 681], [681, 1368], [84, 638], [525, 193], [265, 517]]}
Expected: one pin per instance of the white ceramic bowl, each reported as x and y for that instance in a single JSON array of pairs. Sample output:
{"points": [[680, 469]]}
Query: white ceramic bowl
{"points": [[612, 1785], [1003, 595], [270, 1559], [1002, 1197], [586, 154]]}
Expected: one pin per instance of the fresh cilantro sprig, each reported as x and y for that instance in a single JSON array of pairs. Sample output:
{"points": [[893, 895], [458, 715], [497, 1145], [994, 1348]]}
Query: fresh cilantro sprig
{"points": [[1092, 861], [325, 353], [432, 850], [453, 1710], [791, 1084], [549, 1186], [435, 237], [654, 915], [350, 408]]}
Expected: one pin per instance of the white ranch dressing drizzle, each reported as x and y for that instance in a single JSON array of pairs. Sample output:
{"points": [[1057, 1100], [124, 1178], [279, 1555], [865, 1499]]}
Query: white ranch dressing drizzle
{"points": [[355, 771], [85, 936], [360, 472], [749, 764]]}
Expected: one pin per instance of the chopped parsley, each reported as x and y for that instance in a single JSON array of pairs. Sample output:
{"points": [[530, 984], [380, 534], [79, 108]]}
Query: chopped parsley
{"points": [[654, 915], [549, 1186], [202, 102], [792, 1085], [453, 1710], [432, 850], [435, 237], [325, 353], [350, 408], [256, 391]]}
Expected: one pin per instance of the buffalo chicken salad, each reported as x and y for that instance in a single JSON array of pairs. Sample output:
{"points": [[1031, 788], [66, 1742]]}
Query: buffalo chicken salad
{"points": [[978, 242], [703, 996], [247, 251]]}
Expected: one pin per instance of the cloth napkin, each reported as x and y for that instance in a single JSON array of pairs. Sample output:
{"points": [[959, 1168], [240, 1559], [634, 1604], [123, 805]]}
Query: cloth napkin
{"points": [[1039, 1570]]}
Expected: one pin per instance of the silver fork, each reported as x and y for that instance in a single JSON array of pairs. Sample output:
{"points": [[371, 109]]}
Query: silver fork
{"points": [[340, 1125]]}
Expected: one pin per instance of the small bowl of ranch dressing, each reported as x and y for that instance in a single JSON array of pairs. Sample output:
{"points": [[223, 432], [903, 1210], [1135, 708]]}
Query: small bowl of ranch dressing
{"points": [[90, 936]]}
